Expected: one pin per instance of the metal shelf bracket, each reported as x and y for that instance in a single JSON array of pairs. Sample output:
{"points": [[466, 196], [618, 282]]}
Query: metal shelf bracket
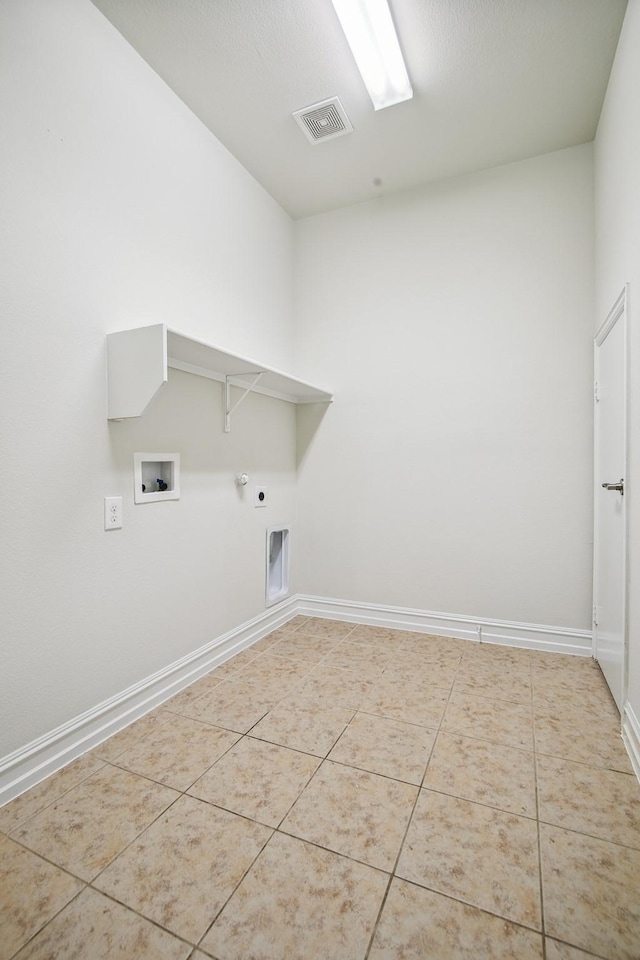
{"points": [[228, 409]]}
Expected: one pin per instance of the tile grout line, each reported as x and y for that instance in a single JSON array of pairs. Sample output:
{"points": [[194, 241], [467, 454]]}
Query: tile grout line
{"points": [[127, 845], [236, 887], [50, 920], [142, 916], [393, 875], [275, 830], [376, 924], [320, 846], [50, 803], [535, 767]]}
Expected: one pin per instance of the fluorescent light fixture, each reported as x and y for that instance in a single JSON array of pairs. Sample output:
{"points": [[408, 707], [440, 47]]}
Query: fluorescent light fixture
{"points": [[372, 37]]}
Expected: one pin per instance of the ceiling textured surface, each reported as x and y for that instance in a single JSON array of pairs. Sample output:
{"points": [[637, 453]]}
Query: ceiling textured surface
{"points": [[494, 81]]}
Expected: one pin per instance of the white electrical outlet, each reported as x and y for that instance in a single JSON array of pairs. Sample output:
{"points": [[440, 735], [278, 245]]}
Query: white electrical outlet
{"points": [[261, 497], [112, 513]]}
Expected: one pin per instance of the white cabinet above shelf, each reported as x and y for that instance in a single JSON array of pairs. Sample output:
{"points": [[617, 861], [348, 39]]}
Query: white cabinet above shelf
{"points": [[138, 361]]}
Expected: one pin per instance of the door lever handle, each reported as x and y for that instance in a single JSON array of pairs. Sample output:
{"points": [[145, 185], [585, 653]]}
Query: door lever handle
{"points": [[615, 486]]}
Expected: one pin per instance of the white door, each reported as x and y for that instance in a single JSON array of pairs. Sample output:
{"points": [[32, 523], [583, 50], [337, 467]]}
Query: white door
{"points": [[609, 587]]}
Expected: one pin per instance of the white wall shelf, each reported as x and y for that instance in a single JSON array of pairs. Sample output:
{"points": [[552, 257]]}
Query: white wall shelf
{"points": [[138, 361]]}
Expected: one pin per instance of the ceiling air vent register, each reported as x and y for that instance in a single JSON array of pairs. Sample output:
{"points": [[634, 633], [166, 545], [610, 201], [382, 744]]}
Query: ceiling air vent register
{"points": [[323, 121]]}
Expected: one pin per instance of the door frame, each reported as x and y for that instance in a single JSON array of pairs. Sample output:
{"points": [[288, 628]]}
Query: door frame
{"points": [[618, 313]]}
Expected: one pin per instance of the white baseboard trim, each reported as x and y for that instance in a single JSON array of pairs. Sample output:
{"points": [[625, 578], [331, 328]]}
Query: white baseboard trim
{"points": [[39, 759], [631, 736], [26, 767], [528, 635]]}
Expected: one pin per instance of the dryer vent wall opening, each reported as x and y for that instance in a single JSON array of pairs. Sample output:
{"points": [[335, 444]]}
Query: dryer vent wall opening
{"points": [[278, 548]]}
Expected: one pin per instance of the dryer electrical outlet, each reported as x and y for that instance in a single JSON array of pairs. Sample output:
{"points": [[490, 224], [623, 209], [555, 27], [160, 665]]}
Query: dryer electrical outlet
{"points": [[260, 497]]}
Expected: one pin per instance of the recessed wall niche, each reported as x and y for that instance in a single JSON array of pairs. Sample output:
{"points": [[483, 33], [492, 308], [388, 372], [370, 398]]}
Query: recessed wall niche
{"points": [[156, 477]]}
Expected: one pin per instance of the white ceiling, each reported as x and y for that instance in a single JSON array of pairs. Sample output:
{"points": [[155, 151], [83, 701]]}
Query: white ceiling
{"points": [[494, 81]]}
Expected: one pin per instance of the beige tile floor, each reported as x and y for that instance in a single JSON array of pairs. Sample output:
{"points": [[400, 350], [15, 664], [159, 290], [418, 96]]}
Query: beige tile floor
{"points": [[341, 792]]}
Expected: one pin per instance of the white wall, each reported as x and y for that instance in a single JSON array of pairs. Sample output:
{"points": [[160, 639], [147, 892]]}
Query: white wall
{"points": [[120, 209], [455, 325], [617, 189]]}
